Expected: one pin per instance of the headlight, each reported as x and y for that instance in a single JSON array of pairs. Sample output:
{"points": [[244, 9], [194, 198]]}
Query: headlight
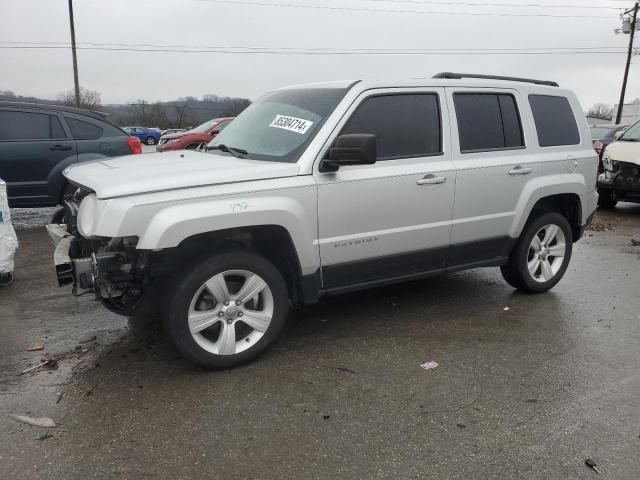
{"points": [[172, 140], [86, 215]]}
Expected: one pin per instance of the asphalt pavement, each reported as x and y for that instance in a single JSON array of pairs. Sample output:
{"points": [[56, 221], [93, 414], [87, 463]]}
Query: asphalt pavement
{"points": [[527, 386]]}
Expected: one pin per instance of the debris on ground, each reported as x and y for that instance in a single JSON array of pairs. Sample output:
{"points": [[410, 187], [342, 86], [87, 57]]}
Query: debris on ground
{"points": [[461, 425], [44, 436], [506, 309], [43, 422], [59, 396], [591, 464], [89, 339], [90, 391], [635, 243], [604, 224], [429, 365], [326, 417], [37, 346], [346, 370]]}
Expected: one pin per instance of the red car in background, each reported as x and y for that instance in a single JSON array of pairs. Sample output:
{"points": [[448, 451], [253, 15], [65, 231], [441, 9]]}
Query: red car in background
{"points": [[192, 139]]}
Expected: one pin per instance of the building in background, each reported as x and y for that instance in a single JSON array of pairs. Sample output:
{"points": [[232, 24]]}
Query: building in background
{"points": [[630, 113]]}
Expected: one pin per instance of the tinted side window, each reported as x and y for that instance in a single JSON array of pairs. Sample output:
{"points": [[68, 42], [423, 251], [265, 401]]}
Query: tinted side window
{"points": [[29, 126], [83, 130], [487, 121], [406, 125], [554, 120]]}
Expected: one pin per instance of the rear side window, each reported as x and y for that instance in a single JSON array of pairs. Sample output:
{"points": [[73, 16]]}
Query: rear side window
{"points": [[554, 120], [406, 125], [29, 126], [488, 121], [83, 130]]}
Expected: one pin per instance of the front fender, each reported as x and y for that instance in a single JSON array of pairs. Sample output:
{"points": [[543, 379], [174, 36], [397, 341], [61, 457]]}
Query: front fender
{"points": [[56, 179], [166, 224]]}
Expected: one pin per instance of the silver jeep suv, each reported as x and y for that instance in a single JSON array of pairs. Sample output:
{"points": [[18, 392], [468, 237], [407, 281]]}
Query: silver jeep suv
{"points": [[321, 189]]}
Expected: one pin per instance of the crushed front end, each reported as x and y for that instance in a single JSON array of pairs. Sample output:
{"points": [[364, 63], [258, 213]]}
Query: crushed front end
{"points": [[110, 268], [622, 179]]}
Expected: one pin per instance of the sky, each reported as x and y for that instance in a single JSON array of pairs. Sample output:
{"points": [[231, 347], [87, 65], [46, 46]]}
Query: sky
{"points": [[466, 29]]}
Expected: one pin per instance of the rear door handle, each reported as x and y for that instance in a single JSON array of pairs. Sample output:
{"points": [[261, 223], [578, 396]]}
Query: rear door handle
{"points": [[61, 148], [518, 170], [431, 179]]}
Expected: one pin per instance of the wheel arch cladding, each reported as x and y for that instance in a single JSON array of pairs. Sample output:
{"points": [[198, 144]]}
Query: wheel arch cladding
{"points": [[567, 204], [272, 241]]}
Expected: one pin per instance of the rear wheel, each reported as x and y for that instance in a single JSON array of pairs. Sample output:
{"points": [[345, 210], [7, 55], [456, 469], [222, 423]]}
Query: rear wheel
{"points": [[150, 141], [227, 309], [605, 199], [541, 255]]}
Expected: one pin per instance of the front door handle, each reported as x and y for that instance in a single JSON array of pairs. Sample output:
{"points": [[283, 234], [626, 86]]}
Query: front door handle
{"points": [[518, 170], [61, 148], [431, 179]]}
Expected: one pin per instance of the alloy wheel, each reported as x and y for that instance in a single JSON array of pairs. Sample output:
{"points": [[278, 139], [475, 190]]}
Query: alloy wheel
{"points": [[546, 253], [231, 312]]}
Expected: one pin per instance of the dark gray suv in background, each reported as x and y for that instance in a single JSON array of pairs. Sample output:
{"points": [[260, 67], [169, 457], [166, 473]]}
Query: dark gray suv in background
{"points": [[37, 142]]}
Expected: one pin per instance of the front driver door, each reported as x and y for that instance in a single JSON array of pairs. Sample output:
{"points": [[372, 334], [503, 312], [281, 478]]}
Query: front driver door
{"points": [[393, 218]]}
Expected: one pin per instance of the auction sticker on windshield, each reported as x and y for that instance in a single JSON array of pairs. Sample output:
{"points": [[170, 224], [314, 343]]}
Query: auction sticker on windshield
{"points": [[293, 124]]}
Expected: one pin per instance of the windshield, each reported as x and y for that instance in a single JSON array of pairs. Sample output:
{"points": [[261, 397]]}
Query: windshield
{"points": [[633, 133], [278, 126], [205, 126]]}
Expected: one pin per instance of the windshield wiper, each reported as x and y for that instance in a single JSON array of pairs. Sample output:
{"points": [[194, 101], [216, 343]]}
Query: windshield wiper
{"points": [[236, 152]]}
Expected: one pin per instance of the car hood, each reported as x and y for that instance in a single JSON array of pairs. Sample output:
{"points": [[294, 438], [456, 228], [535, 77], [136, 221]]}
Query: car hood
{"points": [[153, 172], [624, 151]]}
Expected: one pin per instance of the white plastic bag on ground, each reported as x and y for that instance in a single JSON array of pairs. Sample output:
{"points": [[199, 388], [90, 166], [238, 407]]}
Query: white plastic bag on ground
{"points": [[8, 239]]}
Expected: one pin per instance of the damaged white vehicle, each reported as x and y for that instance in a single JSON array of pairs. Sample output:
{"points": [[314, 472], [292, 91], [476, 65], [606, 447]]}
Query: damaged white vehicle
{"points": [[321, 189], [620, 180]]}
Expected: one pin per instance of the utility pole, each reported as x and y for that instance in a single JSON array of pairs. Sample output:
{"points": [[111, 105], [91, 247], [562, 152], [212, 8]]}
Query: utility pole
{"points": [[634, 19], [73, 52]]}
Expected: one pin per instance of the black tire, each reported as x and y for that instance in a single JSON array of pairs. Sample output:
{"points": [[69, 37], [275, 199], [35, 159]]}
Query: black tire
{"points": [[59, 217], [605, 199], [516, 273], [184, 285], [150, 141]]}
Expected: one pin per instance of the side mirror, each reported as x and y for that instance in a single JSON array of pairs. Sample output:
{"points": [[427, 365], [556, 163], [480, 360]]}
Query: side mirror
{"points": [[353, 149], [214, 132]]}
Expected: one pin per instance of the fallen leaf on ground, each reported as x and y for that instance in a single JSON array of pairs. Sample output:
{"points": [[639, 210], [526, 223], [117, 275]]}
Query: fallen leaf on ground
{"points": [[37, 346]]}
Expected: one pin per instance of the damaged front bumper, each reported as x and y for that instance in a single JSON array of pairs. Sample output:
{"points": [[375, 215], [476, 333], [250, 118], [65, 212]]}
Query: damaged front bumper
{"points": [[623, 182], [80, 272]]}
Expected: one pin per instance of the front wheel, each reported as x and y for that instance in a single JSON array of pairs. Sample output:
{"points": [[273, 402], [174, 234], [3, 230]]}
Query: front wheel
{"points": [[150, 141], [541, 255], [226, 310]]}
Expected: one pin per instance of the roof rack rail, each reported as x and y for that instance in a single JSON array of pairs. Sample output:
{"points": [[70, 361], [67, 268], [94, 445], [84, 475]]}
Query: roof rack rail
{"points": [[458, 76]]}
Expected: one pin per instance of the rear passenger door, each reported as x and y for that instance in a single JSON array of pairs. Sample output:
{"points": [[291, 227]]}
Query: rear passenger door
{"points": [[493, 165], [392, 218], [32, 143]]}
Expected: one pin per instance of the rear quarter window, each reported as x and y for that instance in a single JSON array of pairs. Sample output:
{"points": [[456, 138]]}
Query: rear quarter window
{"points": [[83, 130], [554, 119]]}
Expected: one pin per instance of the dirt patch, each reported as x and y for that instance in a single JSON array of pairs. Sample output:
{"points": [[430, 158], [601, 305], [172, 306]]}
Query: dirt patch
{"points": [[605, 224]]}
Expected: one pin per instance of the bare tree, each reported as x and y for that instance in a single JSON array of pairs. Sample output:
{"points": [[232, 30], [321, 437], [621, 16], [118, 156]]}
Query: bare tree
{"points": [[88, 98], [601, 111], [182, 114]]}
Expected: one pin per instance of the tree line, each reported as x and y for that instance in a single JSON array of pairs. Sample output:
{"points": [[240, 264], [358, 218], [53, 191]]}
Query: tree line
{"points": [[184, 112]]}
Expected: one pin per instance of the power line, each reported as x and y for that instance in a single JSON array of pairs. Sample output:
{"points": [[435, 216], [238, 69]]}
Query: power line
{"points": [[415, 12], [320, 52], [327, 49], [527, 5]]}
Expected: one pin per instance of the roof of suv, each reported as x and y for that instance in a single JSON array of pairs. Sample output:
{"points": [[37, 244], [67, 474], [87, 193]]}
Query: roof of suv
{"points": [[61, 108], [445, 79]]}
